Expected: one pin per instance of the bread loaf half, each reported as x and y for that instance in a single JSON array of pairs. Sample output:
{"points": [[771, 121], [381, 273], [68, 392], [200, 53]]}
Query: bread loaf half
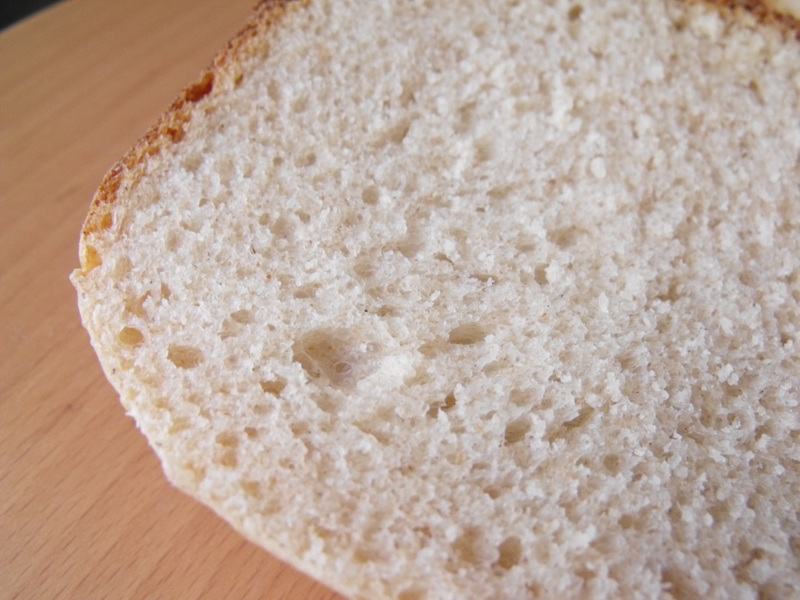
{"points": [[490, 299]]}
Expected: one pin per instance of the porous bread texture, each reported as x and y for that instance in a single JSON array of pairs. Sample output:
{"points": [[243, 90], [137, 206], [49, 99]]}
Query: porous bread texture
{"points": [[475, 300]]}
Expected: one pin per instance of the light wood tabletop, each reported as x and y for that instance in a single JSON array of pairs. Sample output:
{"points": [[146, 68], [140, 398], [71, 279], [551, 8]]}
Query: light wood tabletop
{"points": [[85, 511]]}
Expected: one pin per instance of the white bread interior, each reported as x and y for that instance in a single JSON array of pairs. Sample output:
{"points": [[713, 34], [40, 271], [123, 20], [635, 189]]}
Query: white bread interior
{"points": [[487, 299]]}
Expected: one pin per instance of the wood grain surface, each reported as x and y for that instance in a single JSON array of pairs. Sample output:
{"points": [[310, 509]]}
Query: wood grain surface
{"points": [[85, 511]]}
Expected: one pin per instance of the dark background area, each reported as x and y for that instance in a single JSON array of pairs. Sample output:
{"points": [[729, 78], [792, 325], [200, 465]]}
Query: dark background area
{"points": [[12, 11]]}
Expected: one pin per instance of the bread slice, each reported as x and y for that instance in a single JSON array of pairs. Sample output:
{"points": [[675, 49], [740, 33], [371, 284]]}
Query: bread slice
{"points": [[488, 299]]}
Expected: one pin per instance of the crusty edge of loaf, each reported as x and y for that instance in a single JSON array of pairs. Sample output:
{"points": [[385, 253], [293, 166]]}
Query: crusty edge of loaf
{"points": [[763, 11], [171, 125]]}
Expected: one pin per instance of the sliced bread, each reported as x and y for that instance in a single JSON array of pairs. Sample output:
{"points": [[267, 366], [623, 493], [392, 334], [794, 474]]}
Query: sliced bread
{"points": [[479, 299]]}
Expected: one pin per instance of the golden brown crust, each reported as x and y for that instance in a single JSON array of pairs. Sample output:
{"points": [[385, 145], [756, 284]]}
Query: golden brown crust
{"points": [[171, 126], [764, 10]]}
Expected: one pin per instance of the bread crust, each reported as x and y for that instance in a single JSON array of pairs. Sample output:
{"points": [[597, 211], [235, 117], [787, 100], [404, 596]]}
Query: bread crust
{"points": [[765, 11], [171, 125]]}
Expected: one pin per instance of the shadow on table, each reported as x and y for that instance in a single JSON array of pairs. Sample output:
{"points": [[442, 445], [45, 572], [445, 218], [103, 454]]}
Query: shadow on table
{"points": [[12, 11]]}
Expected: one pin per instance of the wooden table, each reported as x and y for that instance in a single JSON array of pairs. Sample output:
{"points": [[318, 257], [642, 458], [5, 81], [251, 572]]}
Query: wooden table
{"points": [[85, 511]]}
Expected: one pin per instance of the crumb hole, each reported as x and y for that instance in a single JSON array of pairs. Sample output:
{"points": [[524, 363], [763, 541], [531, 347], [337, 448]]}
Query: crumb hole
{"points": [[675, 513], [121, 268], [323, 532], [429, 349], [251, 432], [364, 268], [409, 246], [300, 105], [720, 512], [479, 30], [185, 357], [106, 221], [227, 439], [282, 227], [493, 492], [763, 430], [306, 291], [410, 87], [484, 149], [375, 431], [130, 336], [173, 240], [466, 117], [300, 429], [136, 306], [499, 192], [191, 226], [228, 459], [242, 316], [192, 161], [627, 521], [672, 293], [677, 584], [754, 87], [229, 328], [262, 409], [574, 12], [411, 594], [581, 419], [566, 237], [495, 367], [370, 195], [471, 548], [353, 218], [540, 274], [516, 430], [178, 424], [252, 489], [448, 403], [91, 258], [328, 404], [397, 133], [568, 426], [307, 160], [274, 386], [467, 334], [510, 552], [363, 556], [198, 473], [336, 354], [443, 257], [612, 463], [520, 397], [794, 544], [387, 311], [274, 90]]}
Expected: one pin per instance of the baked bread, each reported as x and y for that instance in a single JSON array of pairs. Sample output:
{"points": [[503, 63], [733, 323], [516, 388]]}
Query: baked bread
{"points": [[480, 299]]}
